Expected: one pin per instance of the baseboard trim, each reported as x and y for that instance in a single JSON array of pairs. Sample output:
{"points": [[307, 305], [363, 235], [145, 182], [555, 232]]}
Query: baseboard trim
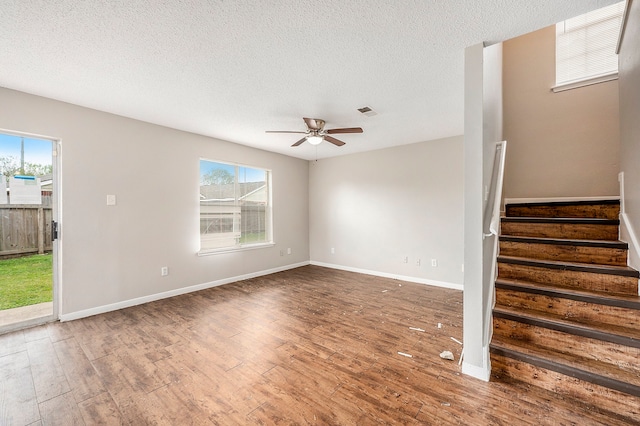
{"points": [[184, 290], [481, 373], [627, 232], [164, 295], [558, 199], [392, 276], [628, 235]]}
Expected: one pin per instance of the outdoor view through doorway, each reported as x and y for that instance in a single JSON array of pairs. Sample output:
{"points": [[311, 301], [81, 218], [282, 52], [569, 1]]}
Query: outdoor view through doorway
{"points": [[26, 215]]}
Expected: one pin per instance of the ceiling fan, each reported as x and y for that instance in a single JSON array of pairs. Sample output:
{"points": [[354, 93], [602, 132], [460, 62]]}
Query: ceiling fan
{"points": [[316, 133]]}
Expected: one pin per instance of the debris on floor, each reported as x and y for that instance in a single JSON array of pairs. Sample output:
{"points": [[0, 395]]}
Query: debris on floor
{"points": [[416, 329], [446, 404], [404, 354], [456, 340], [439, 325], [384, 291], [446, 355]]}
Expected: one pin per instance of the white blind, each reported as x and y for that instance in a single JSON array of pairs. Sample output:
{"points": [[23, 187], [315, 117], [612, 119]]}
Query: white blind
{"points": [[586, 45]]}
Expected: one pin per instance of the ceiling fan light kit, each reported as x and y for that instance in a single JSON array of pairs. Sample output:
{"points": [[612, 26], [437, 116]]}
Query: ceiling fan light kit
{"points": [[315, 139], [316, 134]]}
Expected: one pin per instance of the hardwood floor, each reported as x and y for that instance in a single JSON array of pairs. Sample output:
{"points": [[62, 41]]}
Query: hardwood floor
{"points": [[306, 346]]}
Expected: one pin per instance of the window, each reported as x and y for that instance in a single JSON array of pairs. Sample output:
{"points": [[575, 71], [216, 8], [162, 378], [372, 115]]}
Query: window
{"points": [[586, 48], [235, 207]]}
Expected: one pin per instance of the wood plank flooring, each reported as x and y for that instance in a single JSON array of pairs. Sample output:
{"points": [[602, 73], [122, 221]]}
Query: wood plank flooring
{"points": [[307, 346]]}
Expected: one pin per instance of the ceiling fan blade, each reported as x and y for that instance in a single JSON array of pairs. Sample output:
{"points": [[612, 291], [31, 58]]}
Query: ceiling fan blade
{"points": [[345, 130], [282, 131], [336, 142], [314, 123], [300, 141]]}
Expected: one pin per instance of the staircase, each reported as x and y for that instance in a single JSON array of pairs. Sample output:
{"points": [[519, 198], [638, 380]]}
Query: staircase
{"points": [[567, 314]]}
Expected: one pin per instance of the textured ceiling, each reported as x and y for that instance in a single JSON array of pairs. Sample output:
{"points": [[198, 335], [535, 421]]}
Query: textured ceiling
{"points": [[233, 69]]}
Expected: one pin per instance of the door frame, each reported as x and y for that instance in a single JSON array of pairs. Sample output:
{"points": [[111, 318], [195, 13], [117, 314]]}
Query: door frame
{"points": [[56, 246]]}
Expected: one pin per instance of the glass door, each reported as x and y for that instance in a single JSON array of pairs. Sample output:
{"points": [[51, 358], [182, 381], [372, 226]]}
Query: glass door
{"points": [[27, 230]]}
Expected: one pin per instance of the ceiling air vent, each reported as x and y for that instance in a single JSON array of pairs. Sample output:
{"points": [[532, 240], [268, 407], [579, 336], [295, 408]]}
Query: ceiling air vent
{"points": [[367, 111]]}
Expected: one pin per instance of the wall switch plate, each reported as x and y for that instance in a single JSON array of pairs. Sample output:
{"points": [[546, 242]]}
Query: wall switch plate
{"points": [[111, 200], [333, 250], [289, 250], [164, 271]]}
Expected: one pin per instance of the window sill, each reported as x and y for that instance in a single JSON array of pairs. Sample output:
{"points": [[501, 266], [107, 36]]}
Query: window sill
{"points": [[235, 249], [586, 82]]}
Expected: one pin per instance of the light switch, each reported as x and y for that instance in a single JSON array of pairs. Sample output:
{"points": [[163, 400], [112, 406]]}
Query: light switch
{"points": [[111, 200]]}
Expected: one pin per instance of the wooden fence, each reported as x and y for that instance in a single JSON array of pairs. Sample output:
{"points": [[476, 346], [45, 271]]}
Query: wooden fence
{"points": [[24, 229], [252, 218]]}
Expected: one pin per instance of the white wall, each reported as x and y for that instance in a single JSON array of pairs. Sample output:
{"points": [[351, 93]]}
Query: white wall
{"points": [[113, 254], [492, 133], [629, 72], [475, 361], [562, 144], [376, 208], [483, 129]]}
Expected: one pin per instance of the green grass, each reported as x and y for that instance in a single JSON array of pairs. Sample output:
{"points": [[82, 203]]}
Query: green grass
{"points": [[26, 281], [252, 237]]}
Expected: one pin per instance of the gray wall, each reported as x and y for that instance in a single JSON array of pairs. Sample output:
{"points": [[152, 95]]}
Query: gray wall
{"points": [[629, 72], [113, 254], [562, 144], [376, 208]]}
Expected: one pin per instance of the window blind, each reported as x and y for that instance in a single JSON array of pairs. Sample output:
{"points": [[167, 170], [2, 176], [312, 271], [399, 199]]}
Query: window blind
{"points": [[235, 207], [586, 45]]}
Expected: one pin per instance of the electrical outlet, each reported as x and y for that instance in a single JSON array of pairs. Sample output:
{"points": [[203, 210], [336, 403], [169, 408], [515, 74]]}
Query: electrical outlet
{"points": [[164, 271], [405, 260], [418, 262], [281, 252], [434, 263]]}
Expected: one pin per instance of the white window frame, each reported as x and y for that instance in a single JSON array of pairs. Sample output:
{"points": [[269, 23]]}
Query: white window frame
{"points": [[590, 21], [230, 210]]}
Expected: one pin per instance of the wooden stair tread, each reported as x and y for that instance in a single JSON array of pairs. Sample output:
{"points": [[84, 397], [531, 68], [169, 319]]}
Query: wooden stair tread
{"points": [[582, 368], [601, 331], [571, 266], [576, 321], [592, 208], [566, 203], [569, 242], [601, 298], [562, 220], [607, 417]]}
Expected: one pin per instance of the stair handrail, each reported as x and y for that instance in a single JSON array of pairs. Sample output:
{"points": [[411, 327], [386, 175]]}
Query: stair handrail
{"points": [[494, 225], [497, 180]]}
